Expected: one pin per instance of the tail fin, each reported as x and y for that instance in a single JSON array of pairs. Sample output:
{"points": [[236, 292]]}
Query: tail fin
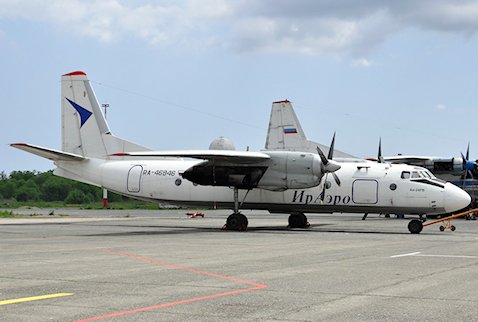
{"points": [[84, 128], [286, 133]]}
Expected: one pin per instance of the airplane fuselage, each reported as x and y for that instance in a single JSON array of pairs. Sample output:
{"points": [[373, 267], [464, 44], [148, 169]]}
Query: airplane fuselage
{"points": [[373, 188]]}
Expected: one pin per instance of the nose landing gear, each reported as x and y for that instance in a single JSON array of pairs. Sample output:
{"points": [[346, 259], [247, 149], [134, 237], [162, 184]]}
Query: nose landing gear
{"points": [[415, 226]]}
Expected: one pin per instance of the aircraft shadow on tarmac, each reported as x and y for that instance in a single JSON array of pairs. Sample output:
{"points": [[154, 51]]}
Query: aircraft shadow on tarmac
{"points": [[183, 230]]}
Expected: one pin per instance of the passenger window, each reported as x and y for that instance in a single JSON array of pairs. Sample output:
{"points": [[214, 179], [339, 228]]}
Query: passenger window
{"points": [[405, 175], [415, 175]]}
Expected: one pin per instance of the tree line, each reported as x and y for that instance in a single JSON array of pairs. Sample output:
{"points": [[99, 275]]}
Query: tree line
{"points": [[32, 186]]}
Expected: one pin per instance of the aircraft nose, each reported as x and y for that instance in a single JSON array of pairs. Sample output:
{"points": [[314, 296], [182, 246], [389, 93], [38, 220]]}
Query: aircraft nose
{"points": [[455, 198]]}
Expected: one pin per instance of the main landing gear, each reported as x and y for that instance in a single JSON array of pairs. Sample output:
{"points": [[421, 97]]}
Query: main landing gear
{"points": [[298, 220], [236, 221], [415, 226]]}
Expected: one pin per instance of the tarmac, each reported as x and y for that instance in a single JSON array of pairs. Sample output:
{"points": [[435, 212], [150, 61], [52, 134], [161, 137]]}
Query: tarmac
{"points": [[136, 265]]}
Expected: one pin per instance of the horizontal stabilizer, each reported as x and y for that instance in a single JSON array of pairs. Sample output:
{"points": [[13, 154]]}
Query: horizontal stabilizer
{"points": [[228, 156], [51, 154]]}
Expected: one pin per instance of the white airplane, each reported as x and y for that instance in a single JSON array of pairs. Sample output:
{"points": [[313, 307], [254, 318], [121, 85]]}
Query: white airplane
{"points": [[275, 180], [450, 169]]}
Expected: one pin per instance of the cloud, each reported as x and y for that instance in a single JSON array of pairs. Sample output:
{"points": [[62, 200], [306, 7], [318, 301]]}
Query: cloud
{"points": [[361, 62], [313, 27], [440, 107]]}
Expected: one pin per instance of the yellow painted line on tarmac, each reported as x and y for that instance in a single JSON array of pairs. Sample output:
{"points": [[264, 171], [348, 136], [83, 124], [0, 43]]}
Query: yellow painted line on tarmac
{"points": [[34, 298]]}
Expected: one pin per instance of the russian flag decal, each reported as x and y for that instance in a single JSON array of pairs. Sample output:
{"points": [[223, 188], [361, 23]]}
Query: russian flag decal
{"points": [[290, 130]]}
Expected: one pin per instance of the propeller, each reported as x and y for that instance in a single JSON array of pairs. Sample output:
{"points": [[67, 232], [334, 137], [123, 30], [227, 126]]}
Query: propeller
{"points": [[328, 166], [379, 155], [468, 165]]}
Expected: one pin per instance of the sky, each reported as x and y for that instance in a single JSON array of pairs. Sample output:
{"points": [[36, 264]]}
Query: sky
{"points": [[178, 74]]}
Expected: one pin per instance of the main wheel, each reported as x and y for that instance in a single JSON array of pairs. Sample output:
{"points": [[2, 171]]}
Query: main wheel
{"points": [[442, 228], [297, 221], [237, 222], [415, 226], [452, 228]]}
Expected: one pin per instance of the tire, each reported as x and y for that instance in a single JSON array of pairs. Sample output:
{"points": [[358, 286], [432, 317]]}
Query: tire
{"points": [[452, 228], [442, 228], [237, 222], [415, 226], [297, 220]]}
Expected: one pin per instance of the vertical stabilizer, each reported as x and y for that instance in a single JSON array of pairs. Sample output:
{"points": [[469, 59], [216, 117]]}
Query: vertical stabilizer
{"points": [[286, 133], [84, 128]]}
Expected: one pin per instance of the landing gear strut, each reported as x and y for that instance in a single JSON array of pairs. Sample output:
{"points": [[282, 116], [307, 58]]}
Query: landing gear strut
{"points": [[298, 220], [236, 221]]}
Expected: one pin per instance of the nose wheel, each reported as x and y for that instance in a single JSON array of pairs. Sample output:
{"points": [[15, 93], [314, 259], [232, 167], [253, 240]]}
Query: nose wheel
{"points": [[415, 226]]}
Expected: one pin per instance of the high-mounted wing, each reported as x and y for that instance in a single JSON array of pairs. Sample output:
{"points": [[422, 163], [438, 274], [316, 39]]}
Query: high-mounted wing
{"points": [[242, 169], [407, 159], [231, 157]]}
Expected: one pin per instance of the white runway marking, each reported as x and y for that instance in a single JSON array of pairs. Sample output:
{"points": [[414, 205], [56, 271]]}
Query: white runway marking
{"points": [[403, 255], [419, 254], [448, 256]]}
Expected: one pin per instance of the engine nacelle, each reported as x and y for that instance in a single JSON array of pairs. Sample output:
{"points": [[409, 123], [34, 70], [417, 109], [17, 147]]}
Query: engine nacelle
{"points": [[291, 170], [448, 165]]}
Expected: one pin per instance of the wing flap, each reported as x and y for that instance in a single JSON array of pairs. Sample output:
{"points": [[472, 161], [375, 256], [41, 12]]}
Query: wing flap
{"points": [[51, 154]]}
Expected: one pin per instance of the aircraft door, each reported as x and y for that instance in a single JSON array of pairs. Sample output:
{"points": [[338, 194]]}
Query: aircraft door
{"points": [[365, 191], [134, 178]]}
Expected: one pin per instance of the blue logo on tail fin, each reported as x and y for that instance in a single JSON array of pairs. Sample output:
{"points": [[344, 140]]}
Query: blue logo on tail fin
{"points": [[84, 113]]}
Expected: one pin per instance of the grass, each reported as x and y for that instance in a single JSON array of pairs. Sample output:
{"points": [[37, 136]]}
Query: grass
{"points": [[6, 214], [117, 205]]}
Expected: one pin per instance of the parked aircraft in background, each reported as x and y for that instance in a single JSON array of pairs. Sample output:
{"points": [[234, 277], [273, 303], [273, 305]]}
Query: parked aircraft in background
{"points": [[276, 180], [460, 171], [450, 169]]}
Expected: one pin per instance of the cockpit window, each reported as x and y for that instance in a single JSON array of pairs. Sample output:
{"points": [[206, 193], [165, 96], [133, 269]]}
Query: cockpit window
{"points": [[415, 174], [425, 174], [405, 175], [431, 175]]}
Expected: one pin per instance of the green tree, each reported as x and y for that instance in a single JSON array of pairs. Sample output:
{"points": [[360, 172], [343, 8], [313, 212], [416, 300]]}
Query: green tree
{"points": [[7, 189], [27, 193], [55, 189], [77, 197], [23, 175]]}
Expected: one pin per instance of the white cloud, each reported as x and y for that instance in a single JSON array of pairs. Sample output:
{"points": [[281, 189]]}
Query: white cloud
{"points": [[343, 27], [440, 107], [361, 62]]}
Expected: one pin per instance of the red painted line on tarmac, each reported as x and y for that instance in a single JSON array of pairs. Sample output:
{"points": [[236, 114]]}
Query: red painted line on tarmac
{"points": [[256, 286]]}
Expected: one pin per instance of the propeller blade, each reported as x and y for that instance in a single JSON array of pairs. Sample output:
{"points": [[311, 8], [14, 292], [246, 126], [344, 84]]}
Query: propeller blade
{"points": [[330, 156], [322, 194], [379, 156], [336, 177], [322, 156], [468, 152]]}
